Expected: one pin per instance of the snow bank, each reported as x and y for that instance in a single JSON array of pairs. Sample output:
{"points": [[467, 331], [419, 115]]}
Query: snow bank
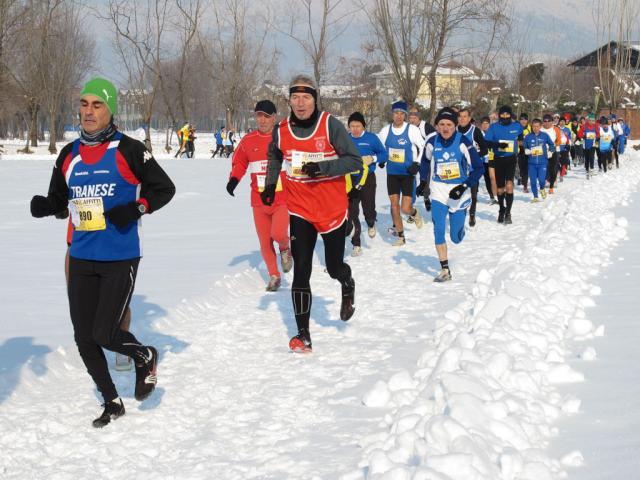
{"points": [[483, 399]]}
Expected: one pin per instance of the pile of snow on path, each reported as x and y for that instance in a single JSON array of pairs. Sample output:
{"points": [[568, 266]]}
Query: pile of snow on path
{"points": [[483, 399]]}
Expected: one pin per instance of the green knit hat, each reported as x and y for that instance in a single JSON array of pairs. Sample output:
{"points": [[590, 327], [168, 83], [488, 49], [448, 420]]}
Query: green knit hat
{"points": [[103, 89]]}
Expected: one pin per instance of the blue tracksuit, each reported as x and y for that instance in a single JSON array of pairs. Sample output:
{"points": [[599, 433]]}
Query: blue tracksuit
{"points": [[369, 144], [450, 163], [622, 138], [537, 148]]}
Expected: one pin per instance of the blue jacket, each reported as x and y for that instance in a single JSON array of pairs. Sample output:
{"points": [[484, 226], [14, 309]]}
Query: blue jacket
{"points": [[538, 147], [504, 133], [218, 137], [457, 149], [369, 144]]}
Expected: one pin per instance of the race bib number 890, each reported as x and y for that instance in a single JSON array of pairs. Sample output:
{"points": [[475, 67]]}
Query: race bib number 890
{"points": [[87, 214]]}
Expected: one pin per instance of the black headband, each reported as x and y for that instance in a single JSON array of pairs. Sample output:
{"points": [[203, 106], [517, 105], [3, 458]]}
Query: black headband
{"points": [[303, 89]]}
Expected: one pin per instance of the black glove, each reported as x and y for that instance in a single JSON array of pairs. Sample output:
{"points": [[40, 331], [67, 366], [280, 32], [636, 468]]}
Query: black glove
{"points": [[413, 168], [456, 192], [123, 215], [41, 207], [504, 145], [381, 165], [312, 169], [268, 195], [354, 193], [231, 185], [422, 186], [63, 214]]}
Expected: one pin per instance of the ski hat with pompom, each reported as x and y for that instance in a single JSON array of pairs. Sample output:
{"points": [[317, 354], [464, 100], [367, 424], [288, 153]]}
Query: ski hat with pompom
{"points": [[104, 90]]}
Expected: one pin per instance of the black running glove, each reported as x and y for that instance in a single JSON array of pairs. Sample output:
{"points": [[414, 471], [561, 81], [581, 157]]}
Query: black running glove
{"points": [[413, 168], [123, 215], [231, 185], [456, 192], [381, 165], [41, 207], [422, 186], [354, 193], [64, 214], [312, 169], [504, 145], [268, 195]]}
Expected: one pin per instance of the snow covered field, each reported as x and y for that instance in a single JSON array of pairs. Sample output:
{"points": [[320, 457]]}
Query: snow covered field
{"points": [[480, 378]]}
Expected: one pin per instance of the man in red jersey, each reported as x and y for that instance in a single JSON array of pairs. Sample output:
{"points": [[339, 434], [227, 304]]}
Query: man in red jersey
{"points": [[272, 221], [317, 153]]}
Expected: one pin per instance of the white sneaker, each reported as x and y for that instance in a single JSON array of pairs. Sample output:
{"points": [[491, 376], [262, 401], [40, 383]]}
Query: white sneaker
{"points": [[123, 363], [392, 231], [274, 284], [417, 218], [357, 251], [371, 231], [535, 200], [286, 260], [443, 276], [543, 192], [400, 241]]}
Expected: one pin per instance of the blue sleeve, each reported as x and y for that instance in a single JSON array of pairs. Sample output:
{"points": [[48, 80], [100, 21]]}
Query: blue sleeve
{"points": [[381, 151], [425, 163]]}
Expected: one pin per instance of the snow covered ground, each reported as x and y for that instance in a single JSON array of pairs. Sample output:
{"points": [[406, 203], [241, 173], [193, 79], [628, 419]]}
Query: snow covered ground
{"points": [[466, 380]]}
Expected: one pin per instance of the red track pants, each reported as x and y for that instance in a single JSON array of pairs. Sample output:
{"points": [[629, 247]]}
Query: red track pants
{"points": [[272, 225]]}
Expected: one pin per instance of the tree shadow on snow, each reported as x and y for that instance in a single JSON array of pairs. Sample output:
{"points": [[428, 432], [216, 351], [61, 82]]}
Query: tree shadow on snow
{"points": [[319, 309], [428, 264], [254, 259], [14, 354]]}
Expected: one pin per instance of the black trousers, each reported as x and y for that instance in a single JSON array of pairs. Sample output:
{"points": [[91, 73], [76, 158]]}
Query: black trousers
{"points": [[367, 198], [99, 294], [605, 159], [523, 165], [219, 150], [588, 158], [303, 241], [552, 169], [474, 200]]}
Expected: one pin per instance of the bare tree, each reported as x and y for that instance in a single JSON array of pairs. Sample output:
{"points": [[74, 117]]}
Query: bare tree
{"points": [[238, 56], [315, 25], [616, 22], [68, 57], [140, 26], [405, 37]]}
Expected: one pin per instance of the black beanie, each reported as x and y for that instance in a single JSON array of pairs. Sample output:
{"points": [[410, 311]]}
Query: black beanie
{"points": [[356, 117], [524, 116], [505, 109], [447, 114]]}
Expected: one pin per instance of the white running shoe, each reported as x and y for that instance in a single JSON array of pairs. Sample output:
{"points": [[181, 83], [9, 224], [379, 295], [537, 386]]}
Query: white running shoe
{"points": [[443, 276], [417, 218], [357, 251], [400, 241], [371, 231]]}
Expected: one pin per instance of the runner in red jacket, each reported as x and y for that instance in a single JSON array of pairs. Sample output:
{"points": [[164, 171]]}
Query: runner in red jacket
{"points": [[272, 221]]}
